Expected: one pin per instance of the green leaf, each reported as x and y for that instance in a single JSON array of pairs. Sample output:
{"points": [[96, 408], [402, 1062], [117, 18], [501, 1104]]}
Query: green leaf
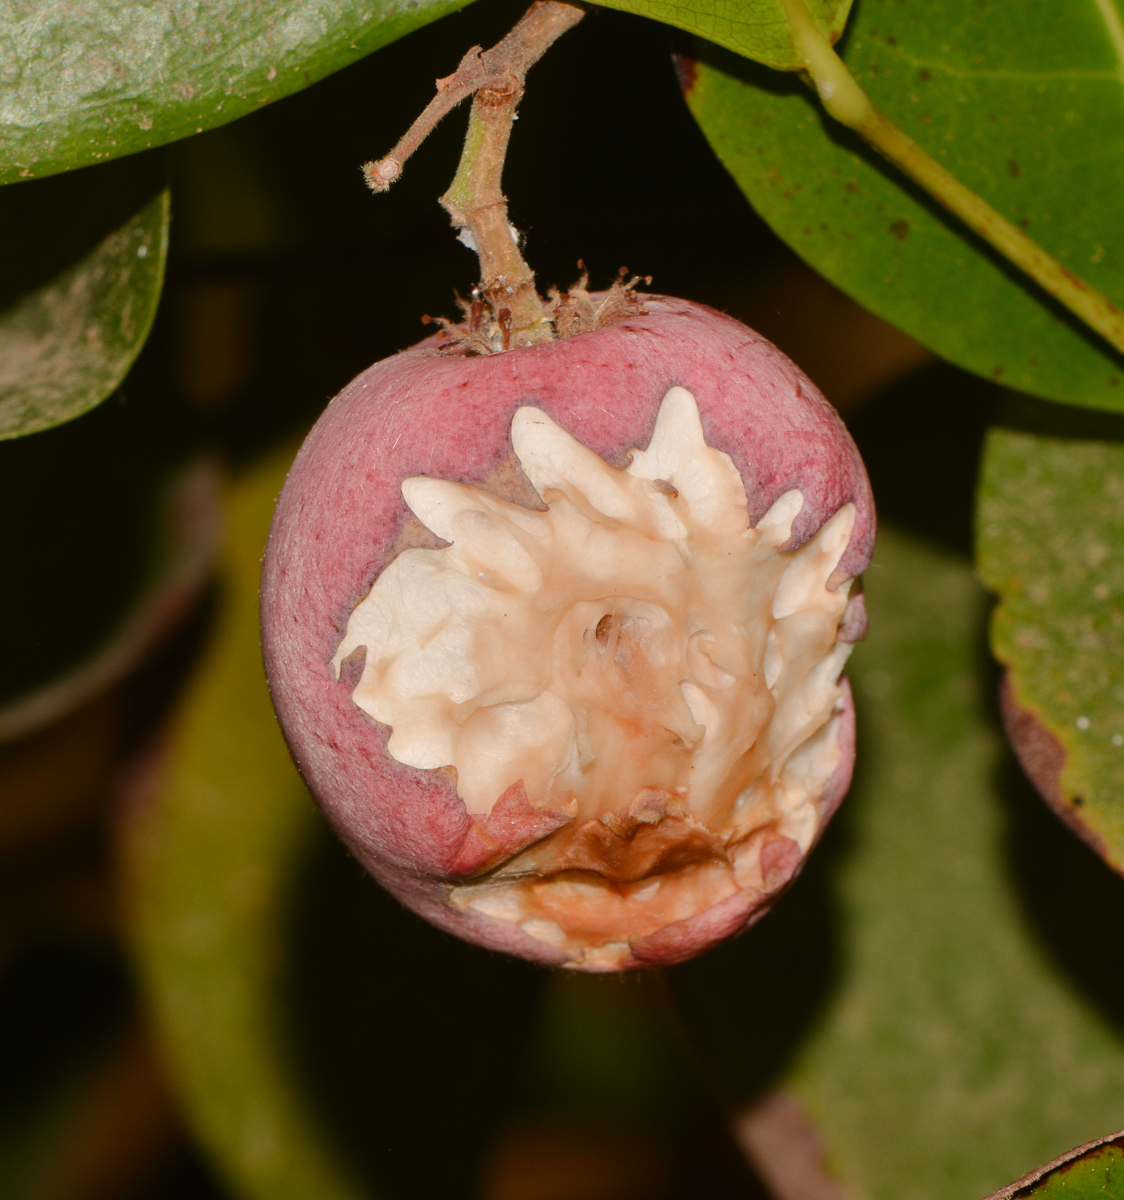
{"points": [[1091, 1172], [758, 29], [908, 992], [1050, 543], [212, 862], [1025, 104], [90, 80], [82, 265]]}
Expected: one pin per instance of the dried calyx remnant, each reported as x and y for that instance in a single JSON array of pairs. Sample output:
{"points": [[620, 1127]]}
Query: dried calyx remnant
{"points": [[486, 330], [506, 311], [633, 658]]}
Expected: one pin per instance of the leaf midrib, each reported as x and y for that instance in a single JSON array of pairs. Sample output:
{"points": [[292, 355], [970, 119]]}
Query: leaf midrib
{"points": [[1110, 15]]}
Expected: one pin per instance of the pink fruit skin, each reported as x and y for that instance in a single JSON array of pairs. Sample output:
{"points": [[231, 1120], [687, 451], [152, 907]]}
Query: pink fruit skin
{"points": [[444, 415]]}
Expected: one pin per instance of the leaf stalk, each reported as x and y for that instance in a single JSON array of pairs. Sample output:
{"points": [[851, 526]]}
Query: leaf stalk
{"points": [[848, 103]]}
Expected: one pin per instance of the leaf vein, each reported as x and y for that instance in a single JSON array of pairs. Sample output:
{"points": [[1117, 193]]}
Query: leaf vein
{"points": [[1110, 14]]}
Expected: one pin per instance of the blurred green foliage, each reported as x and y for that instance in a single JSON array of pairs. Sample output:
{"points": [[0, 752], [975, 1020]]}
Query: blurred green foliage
{"points": [[908, 993]]}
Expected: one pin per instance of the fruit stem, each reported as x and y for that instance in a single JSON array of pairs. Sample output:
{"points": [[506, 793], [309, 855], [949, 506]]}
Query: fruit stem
{"points": [[478, 208], [475, 200], [846, 101]]}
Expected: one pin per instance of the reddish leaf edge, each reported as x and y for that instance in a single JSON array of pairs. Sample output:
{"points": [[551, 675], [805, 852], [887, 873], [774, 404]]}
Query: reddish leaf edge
{"points": [[1042, 756], [1028, 1183]]}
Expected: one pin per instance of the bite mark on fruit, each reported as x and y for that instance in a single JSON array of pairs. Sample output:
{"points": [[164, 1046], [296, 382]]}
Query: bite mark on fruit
{"points": [[638, 690], [512, 824]]}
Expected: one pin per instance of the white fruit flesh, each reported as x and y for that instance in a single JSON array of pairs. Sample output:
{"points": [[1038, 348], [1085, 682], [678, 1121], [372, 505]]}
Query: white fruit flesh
{"points": [[636, 655]]}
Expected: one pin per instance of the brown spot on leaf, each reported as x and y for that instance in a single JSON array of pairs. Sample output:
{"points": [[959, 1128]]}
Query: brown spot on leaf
{"points": [[686, 72], [900, 229], [684, 58], [1013, 168]]}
